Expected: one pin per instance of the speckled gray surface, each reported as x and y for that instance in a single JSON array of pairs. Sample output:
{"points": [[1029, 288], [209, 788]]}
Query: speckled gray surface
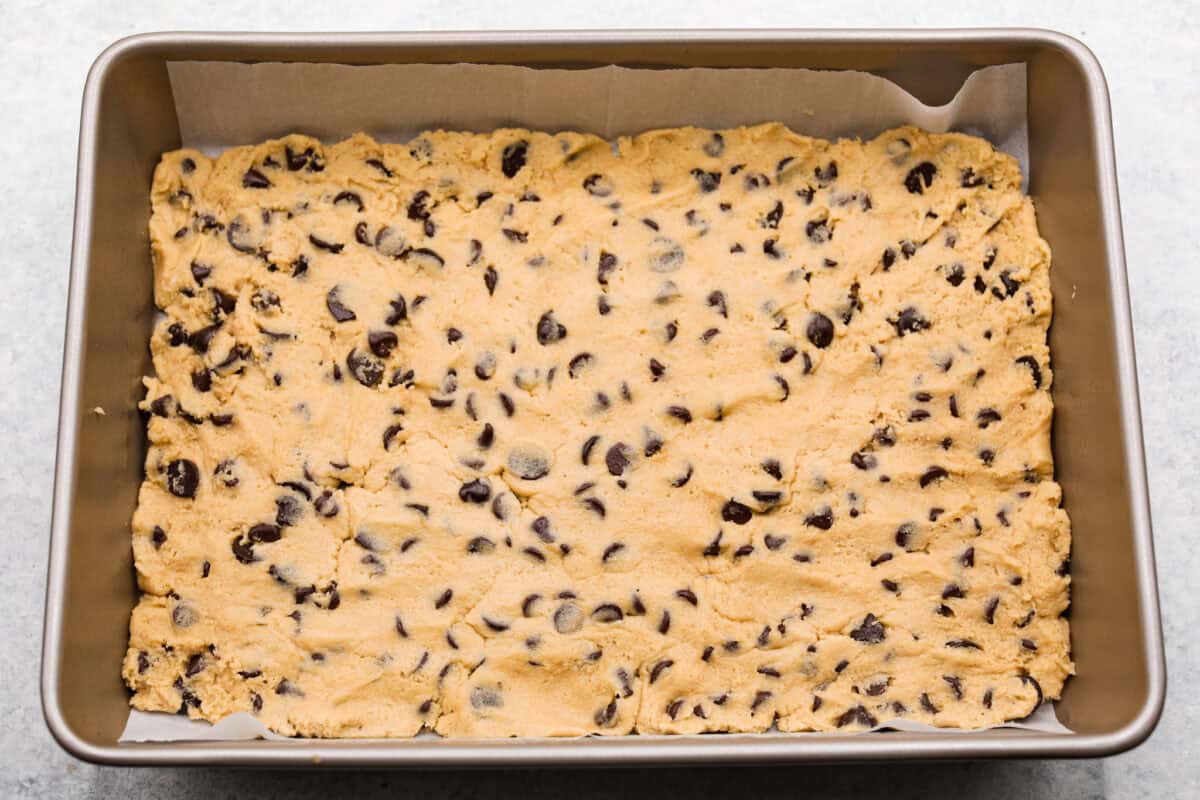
{"points": [[1152, 59]]}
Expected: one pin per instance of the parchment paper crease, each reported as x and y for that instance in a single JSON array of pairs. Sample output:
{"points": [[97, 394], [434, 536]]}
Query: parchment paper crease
{"points": [[223, 104]]}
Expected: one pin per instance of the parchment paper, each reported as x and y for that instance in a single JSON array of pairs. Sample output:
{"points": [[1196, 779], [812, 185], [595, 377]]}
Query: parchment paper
{"points": [[223, 104]]}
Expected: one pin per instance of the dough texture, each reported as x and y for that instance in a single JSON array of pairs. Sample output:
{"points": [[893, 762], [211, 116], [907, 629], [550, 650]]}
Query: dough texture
{"points": [[521, 434]]}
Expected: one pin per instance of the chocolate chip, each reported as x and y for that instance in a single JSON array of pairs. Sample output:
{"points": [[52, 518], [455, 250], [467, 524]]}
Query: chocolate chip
{"points": [[321, 244], [183, 478], [682, 480], [716, 300], [665, 255], [476, 491], [659, 668], [707, 181], [909, 320], [864, 461], [337, 308], [365, 368], [426, 258], [528, 462], [202, 380], [349, 197], [486, 697], [549, 330], [1010, 286], [818, 231], [934, 473], [579, 363], [858, 715], [735, 512], [760, 697], [1034, 369], [618, 458], [607, 612], [904, 533], [597, 185], [986, 416], [184, 616], [253, 179], [871, 631], [827, 174], [963, 644], [822, 519], [715, 146], [518, 237], [608, 263], [201, 340], [920, 178], [680, 413], [770, 498], [819, 330]]}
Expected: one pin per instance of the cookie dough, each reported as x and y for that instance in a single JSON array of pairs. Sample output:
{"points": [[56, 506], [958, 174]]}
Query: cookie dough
{"points": [[520, 434]]}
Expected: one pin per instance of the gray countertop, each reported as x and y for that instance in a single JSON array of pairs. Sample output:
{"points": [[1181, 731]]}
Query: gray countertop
{"points": [[1152, 59]]}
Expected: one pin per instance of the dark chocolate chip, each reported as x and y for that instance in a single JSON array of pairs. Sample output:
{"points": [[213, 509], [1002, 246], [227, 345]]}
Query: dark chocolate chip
{"points": [[909, 320], [707, 181], [597, 185], [818, 231], [986, 416], [819, 330], [963, 644], [822, 519], [382, 342], [682, 480], [476, 491], [617, 458], [864, 461], [337, 308], [607, 612], [184, 616], [183, 478], [934, 473], [871, 631], [608, 263], [716, 300], [920, 177], [365, 368], [1034, 369], [680, 413], [549, 330], [253, 179], [736, 512], [200, 340], [827, 174], [715, 146]]}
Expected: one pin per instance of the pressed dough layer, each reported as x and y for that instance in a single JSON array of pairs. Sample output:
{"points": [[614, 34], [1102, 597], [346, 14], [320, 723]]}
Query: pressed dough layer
{"points": [[521, 434]]}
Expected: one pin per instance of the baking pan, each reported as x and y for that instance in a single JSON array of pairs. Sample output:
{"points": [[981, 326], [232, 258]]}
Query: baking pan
{"points": [[128, 120]]}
